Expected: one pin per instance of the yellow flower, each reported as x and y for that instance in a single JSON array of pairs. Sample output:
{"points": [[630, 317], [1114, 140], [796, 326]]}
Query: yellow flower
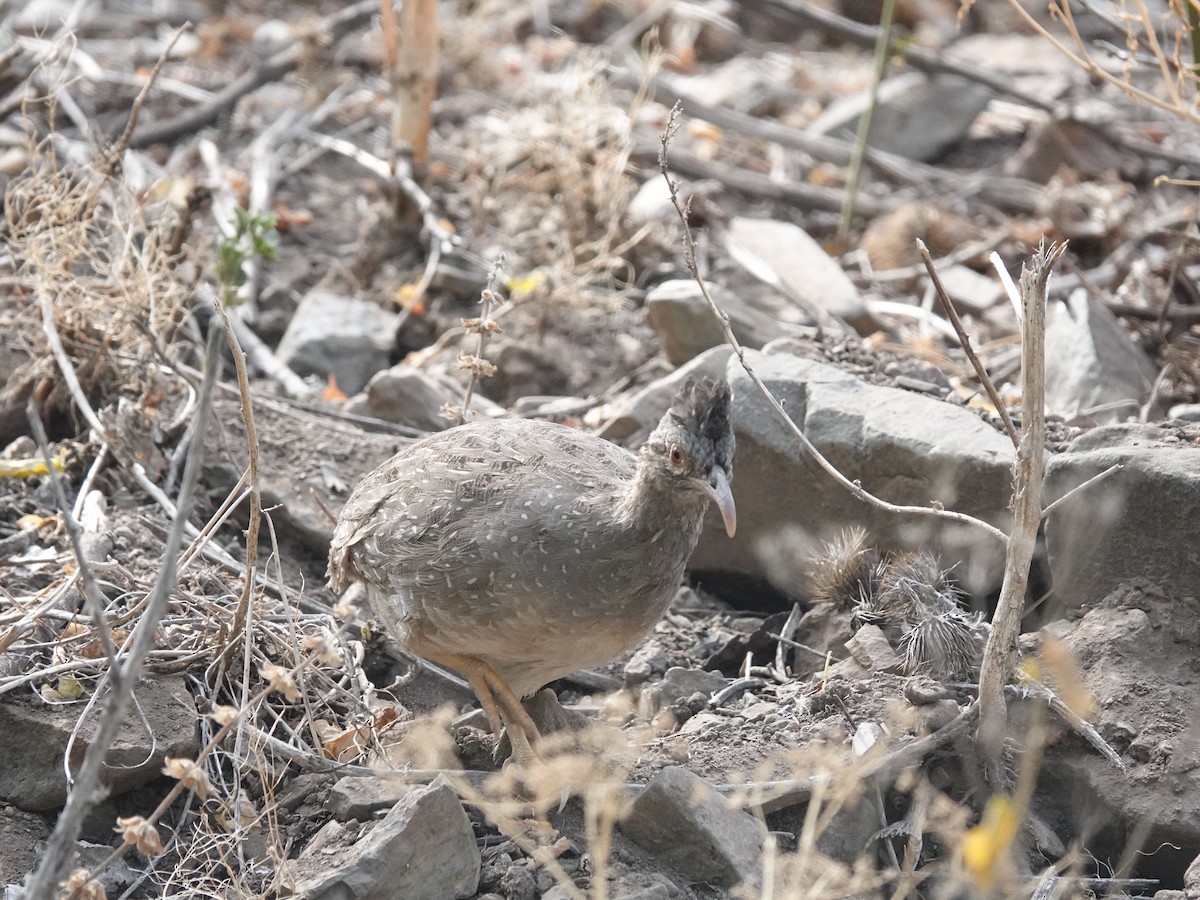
{"points": [[985, 847]]}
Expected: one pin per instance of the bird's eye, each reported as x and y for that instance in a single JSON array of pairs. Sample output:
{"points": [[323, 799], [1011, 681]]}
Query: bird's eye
{"points": [[678, 458]]}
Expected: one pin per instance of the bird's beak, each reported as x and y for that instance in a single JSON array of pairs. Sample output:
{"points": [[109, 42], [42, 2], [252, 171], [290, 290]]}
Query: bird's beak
{"points": [[718, 489]]}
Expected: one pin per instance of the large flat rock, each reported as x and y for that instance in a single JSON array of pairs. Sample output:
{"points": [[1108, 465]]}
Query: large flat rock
{"points": [[1139, 523], [34, 736], [904, 447]]}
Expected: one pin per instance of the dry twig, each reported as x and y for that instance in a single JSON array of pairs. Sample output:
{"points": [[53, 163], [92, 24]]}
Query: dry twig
{"points": [[964, 341], [1000, 652]]}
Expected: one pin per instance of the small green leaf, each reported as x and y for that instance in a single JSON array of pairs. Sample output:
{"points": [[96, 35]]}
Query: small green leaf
{"points": [[69, 687]]}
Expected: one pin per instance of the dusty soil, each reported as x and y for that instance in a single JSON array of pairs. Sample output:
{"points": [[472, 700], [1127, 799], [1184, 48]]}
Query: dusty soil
{"points": [[537, 153]]}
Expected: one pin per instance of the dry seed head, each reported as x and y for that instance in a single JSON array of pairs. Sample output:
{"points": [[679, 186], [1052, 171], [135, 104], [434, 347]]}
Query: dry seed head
{"points": [[80, 886], [842, 570], [140, 833], [281, 680], [324, 647], [189, 774]]}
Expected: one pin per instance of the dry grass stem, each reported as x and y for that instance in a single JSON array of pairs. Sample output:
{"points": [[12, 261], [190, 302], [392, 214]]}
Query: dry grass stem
{"points": [[964, 341], [1082, 57]]}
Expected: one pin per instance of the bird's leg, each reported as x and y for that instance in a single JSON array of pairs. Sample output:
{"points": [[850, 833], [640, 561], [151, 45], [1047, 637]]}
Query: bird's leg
{"points": [[521, 728], [501, 706]]}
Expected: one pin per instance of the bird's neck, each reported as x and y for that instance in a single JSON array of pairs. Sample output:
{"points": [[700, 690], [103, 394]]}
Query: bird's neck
{"points": [[651, 503]]}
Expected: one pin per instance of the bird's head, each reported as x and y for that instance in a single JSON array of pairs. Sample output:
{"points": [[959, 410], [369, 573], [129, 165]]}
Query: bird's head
{"points": [[693, 445]]}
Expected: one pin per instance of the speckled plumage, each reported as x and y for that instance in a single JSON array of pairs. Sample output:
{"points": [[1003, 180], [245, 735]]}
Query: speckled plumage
{"points": [[535, 548]]}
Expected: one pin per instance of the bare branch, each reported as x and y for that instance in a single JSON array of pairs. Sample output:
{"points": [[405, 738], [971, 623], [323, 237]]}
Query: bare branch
{"points": [[999, 655]]}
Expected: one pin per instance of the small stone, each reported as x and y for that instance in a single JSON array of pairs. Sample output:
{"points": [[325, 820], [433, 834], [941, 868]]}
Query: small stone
{"points": [[1191, 880], [360, 798], [519, 883], [921, 690], [656, 892], [803, 268], [756, 711], [686, 326], [345, 337], [705, 722], [970, 290], [679, 684], [938, 715], [649, 659], [681, 819], [1093, 367], [413, 397], [916, 116], [870, 648]]}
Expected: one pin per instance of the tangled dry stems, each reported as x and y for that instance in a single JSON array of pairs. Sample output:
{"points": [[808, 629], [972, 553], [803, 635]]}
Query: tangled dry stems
{"points": [[99, 250]]}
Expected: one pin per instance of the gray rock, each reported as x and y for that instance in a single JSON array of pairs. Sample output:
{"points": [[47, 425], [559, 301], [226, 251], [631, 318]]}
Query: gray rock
{"points": [[970, 290], [783, 253], [116, 878], [641, 412], [649, 659], [1189, 412], [682, 820], [33, 738], [904, 447], [361, 798], [1175, 895], [652, 203], [680, 683], [298, 463], [823, 628], [1191, 880], [22, 832], [686, 326], [847, 834], [1139, 523], [871, 650], [938, 715], [424, 849], [1093, 367], [348, 338], [656, 892], [414, 397], [917, 116]]}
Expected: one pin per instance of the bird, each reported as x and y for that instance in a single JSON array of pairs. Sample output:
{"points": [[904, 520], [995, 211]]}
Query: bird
{"points": [[517, 551]]}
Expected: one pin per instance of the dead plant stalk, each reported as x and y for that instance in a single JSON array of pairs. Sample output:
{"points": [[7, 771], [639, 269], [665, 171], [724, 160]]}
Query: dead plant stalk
{"points": [[999, 655]]}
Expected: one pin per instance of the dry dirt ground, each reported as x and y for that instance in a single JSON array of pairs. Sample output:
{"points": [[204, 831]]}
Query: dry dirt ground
{"points": [[539, 149]]}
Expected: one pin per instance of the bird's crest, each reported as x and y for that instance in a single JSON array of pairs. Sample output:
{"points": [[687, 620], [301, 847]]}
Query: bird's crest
{"points": [[703, 408]]}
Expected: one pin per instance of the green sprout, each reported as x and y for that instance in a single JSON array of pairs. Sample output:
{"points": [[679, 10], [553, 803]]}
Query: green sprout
{"points": [[253, 235]]}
